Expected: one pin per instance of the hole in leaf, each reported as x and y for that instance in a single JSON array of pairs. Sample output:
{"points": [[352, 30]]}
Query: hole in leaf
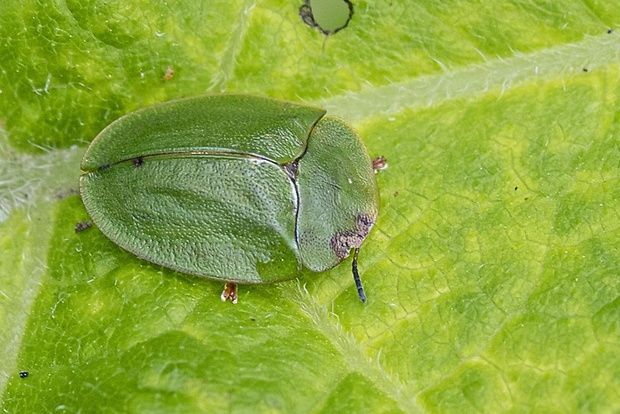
{"points": [[328, 16]]}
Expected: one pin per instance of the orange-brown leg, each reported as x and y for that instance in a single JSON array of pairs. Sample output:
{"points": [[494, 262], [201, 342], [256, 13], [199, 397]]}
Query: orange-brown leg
{"points": [[230, 292]]}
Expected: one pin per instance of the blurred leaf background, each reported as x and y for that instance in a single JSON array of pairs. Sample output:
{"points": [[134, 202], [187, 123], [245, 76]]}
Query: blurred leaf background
{"points": [[492, 273]]}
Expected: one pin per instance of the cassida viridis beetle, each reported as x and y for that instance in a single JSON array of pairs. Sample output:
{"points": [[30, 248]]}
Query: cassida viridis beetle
{"points": [[237, 188]]}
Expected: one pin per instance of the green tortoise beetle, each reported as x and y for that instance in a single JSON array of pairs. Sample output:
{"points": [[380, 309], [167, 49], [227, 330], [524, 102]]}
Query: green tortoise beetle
{"points": [[237, 188]]}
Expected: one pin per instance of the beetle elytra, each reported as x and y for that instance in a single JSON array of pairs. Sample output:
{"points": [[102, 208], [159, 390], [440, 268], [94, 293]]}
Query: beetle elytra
{"points": [[237, 188]]}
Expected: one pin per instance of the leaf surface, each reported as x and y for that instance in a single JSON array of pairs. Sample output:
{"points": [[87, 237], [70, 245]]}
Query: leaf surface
{"points": [[492, 272]]}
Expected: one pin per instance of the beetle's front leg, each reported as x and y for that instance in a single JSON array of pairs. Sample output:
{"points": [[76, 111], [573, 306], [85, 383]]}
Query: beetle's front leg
{"points": [[230, 292], [379, 163]]}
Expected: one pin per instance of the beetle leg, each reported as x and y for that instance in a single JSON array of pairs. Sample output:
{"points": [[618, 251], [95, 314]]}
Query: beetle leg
{"points": [[230, 292], [379, 163], [356, 277], [82, 225]]}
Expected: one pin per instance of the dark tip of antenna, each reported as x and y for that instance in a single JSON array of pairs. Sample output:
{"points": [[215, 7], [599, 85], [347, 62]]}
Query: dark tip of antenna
{"points": [[356, 277]]}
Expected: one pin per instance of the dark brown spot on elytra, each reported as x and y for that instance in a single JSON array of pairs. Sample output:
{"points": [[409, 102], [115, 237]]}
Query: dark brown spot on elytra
{"points": [[137, 162], [291, 169], [344, 241]]}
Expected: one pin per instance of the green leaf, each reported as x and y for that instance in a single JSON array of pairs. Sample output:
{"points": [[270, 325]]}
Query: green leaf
{"points": [[492, 272]]}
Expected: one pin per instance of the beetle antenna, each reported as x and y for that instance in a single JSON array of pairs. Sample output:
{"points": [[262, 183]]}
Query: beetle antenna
{"points": [[356, 277]]}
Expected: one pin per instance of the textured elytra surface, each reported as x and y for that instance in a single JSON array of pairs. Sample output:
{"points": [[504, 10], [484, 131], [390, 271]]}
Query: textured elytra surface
{"points": [[222, 123], [227, 218], [235, 188], [336, 187], [491, 272]]}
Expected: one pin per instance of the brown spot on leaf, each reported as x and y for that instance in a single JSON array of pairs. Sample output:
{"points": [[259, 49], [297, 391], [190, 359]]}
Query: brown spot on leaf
{"points": [[64, 194], [344, 241], [169, 74]]}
